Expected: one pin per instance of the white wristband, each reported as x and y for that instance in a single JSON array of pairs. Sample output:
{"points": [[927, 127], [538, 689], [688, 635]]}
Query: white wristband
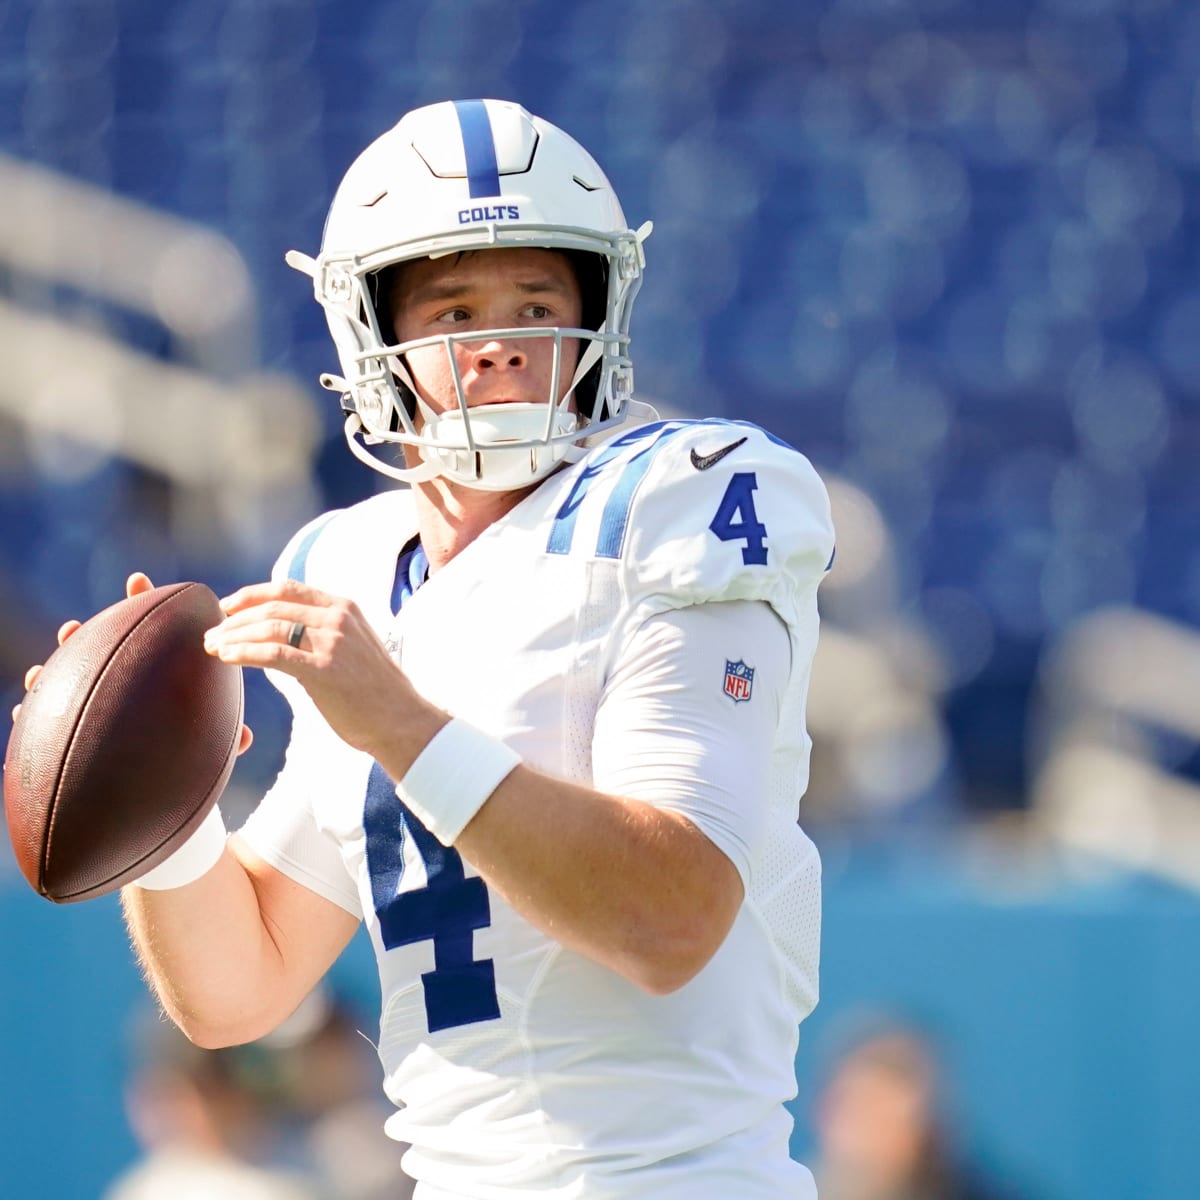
{"points": [[453, 776], [197, 856]]}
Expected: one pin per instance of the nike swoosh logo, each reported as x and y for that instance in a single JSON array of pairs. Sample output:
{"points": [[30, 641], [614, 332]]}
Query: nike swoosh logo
{"points": [[703, 461]]}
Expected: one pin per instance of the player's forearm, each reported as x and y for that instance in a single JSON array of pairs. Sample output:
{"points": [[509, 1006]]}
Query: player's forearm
{"points": [[633, 887], [208, 955]]}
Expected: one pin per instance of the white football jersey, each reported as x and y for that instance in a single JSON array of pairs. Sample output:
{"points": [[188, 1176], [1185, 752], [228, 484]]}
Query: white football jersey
{"points": [[519, 1066]]}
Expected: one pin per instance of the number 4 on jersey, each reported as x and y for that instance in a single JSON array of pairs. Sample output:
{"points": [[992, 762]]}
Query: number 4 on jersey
{"points": [[738, 502], [447, 911]]}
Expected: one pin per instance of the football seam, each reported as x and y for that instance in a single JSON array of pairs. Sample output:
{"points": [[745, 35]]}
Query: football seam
{"points": [[43, 866]]}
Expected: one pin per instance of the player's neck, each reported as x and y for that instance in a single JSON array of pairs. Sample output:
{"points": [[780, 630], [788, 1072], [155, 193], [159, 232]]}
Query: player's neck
{"points": [[450, 517]]}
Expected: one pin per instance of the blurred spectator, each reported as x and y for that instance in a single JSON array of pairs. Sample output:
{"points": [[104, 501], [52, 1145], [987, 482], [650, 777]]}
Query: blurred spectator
{"points": [[204, 1126], [291, 1117], [332, 1104], [881, 1126]]}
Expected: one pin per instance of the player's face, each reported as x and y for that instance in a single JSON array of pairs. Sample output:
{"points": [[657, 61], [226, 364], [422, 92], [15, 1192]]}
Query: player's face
{"points": [[505, 288]]}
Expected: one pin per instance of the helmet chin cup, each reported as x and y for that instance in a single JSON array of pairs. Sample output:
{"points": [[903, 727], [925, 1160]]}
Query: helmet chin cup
{"points": [[471, 450]]}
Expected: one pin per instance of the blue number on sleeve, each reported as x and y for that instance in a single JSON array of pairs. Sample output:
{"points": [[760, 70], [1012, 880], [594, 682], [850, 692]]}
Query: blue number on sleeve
{"points": [[739, 501], [461, 989]]}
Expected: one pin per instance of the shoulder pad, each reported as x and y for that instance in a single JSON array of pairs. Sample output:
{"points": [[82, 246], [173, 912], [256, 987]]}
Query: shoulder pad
{"points": [[326, 550], [347, 552], [699, 511], [292, 563]]}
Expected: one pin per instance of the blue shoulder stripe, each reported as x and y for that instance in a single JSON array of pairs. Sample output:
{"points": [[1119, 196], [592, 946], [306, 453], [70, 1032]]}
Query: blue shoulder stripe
{"points": [[299, 561], [562, 532], [778, 441], [615, 517]]}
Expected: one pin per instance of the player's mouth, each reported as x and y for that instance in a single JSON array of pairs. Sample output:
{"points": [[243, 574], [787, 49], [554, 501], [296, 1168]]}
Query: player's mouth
{"points": [[491, 400]]}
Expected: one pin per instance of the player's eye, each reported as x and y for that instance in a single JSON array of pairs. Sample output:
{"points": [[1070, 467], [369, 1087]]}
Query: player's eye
{"points": [[539, 312]]}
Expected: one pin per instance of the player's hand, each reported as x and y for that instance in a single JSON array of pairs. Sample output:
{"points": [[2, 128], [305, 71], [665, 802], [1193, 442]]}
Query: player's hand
{"points": [[134, 586], [328, 646]]}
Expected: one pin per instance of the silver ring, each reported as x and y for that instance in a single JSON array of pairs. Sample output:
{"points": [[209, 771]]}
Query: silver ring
{"points": [[295, 634]]}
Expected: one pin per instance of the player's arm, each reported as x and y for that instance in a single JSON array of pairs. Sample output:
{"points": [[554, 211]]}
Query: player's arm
{"points": [[646, 871], [231, 954], [636, 888], [288, 907], [629, 880]]}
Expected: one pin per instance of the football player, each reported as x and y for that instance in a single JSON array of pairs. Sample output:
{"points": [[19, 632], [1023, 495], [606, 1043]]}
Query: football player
{"points": [[548, 709]]}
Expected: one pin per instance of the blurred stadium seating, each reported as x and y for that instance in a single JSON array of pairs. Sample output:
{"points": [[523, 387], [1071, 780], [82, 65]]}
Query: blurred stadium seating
{"points": [[948, 248]]}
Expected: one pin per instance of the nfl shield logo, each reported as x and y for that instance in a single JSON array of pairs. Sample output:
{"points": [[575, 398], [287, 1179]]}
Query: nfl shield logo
{"points": [[739, 680]]}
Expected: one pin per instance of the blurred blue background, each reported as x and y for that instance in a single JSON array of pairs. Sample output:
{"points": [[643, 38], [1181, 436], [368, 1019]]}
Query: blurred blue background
{"points": [[948, 248]]}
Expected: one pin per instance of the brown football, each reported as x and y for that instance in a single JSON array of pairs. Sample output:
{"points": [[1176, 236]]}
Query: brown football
{"points": [[123, 744]]}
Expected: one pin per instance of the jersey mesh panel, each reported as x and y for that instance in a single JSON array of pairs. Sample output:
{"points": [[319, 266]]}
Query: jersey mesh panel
{"points": [[787, 893]]}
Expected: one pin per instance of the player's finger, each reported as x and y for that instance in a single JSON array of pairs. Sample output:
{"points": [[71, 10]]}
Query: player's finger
{"points": [[232, 636], [66, 629], [31, 675], [273, 632], [137, 583], [246, 739], [283, 589], [264, 654], [270, 611]]}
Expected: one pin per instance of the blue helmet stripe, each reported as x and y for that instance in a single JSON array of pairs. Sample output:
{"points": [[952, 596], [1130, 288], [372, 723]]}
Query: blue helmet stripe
{"points": [[482, 172]]}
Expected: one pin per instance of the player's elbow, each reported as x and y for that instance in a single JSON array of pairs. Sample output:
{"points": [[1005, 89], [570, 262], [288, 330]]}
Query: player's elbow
{"points": [[683, 932], [661, 979], [217, 1027], [221, 1034], [670, 958], [667, 972], [211, 1037]]}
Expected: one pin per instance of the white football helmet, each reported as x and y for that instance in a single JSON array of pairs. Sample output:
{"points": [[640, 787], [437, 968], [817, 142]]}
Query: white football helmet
{"points": [[461, 176]]}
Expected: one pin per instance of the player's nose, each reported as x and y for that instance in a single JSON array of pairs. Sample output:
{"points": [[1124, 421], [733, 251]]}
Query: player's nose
{"points": [[498, 354]]}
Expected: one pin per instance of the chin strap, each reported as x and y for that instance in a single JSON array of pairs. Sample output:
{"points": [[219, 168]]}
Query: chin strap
{"points": [[638, 413], [353, 427]]}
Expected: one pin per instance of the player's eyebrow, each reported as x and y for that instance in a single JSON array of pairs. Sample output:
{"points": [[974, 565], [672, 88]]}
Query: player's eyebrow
{"points": [[555, 286], [454, 290]]}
